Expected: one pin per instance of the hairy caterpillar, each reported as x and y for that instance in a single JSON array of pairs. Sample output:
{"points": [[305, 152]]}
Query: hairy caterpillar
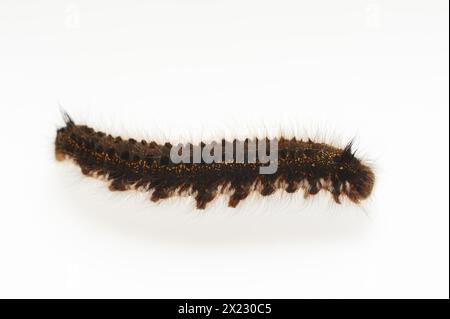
{"points": [[129, 164]]}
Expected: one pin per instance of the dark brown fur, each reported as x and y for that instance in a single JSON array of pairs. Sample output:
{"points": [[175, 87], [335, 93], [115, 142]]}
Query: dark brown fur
{"points": [[129, 164]]}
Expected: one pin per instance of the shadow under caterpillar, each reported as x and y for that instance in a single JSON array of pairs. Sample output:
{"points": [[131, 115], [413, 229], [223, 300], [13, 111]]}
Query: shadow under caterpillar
{"points": [[129, 164]]}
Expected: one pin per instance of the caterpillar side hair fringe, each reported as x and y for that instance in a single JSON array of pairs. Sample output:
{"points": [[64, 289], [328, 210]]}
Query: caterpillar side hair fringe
{"points": [[145, 165]]}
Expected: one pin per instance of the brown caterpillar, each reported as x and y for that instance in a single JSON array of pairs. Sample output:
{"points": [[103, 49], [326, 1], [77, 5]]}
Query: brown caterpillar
{"points": [[129, 164]]}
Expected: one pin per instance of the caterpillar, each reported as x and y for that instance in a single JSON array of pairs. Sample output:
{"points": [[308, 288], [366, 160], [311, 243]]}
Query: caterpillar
{"points": [[130, 164]]}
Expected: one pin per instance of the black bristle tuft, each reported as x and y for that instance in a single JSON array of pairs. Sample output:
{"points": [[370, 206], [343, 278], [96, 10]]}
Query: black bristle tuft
{"points": [[348, 153], [67, 119]]}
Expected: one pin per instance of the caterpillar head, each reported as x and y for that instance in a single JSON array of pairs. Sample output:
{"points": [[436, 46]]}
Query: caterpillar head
{"points": [[357, 178]]}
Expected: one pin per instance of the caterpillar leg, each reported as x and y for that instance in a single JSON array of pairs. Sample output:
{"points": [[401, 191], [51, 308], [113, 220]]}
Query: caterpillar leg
{"points": [[203, 197]]}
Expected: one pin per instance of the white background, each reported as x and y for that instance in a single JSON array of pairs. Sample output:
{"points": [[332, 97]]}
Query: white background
{"points": [[168, 70]]}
